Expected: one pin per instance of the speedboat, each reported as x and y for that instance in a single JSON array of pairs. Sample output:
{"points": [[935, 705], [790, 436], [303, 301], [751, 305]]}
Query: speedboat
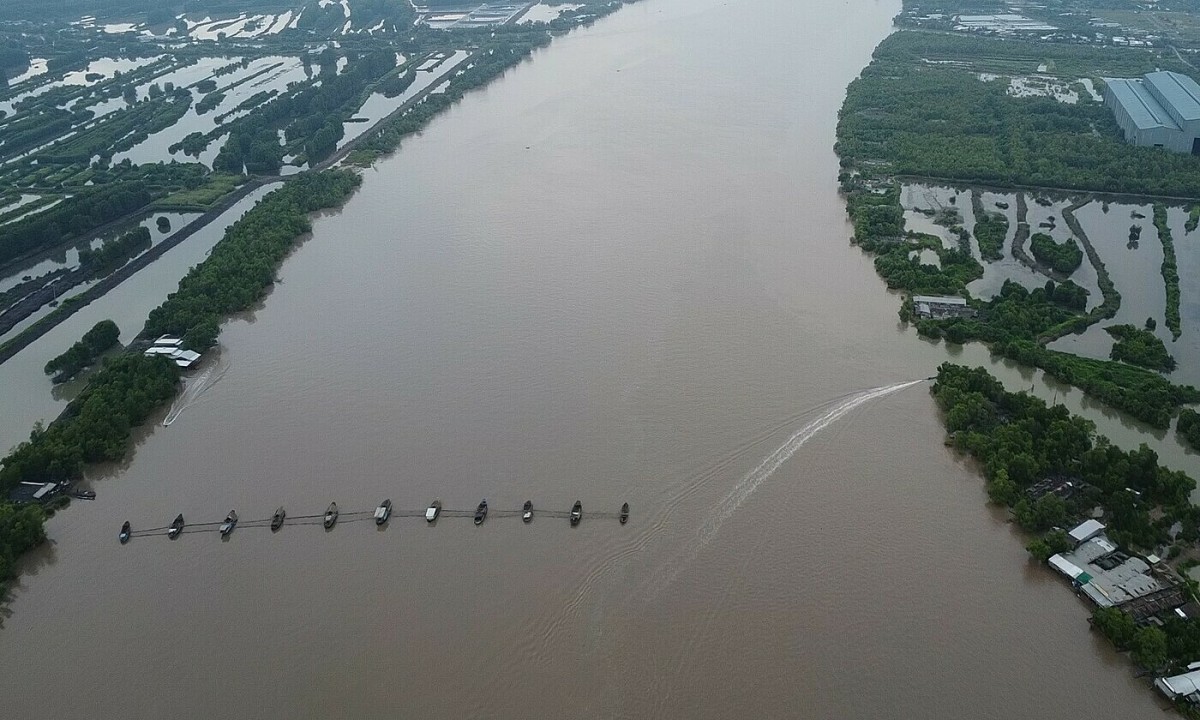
{"points": [[383, 512], [331, 515], [277, 519], [176, 527], [435, 509], [576, 513], [481, 512], [624, 513], [84, 494], [527, 512], [230, 523], [125, 533]]}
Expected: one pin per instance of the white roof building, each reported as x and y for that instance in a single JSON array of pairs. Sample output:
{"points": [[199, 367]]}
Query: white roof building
{"points": [[1186, 685], [1086, 530]]}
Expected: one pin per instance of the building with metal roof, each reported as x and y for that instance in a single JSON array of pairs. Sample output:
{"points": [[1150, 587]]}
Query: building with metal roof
{"points": [[1086, 530], [1185, 686], [1104, 574], [1159, 109]]}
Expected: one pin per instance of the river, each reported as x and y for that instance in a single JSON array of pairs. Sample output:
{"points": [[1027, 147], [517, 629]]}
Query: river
{"points": [[619, 273]]}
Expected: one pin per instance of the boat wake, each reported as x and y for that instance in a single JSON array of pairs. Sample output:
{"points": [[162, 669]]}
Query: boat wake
{"points": [[751, 481], [195, 388]]}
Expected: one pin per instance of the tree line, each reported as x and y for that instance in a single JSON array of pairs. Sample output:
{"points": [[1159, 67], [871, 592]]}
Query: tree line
{"points": [[84, 352]]}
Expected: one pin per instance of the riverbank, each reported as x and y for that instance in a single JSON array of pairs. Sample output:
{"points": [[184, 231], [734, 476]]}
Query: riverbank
{"points": [[236, 274], [932, 106], [611, 269]]}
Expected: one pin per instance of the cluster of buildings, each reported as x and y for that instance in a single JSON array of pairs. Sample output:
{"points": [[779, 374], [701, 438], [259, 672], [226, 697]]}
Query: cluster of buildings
{"points": [[1141, 587], [172, 347], [1159, 109]]}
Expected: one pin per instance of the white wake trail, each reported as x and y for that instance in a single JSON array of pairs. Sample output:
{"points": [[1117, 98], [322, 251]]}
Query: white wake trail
{"points": [[194, 388], [750, 482]]}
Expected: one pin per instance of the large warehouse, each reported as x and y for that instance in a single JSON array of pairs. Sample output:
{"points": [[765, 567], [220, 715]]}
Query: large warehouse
{"points": [[1160, 109]]}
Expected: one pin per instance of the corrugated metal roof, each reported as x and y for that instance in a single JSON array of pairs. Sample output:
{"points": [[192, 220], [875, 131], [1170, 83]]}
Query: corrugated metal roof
{"points": [[1179, 91], [1066, 567], [1086, 530], [1141, 106], [939, 299], [1184, 684]]}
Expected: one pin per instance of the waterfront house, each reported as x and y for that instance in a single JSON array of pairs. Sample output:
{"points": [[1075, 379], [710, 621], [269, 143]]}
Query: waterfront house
{"points": [[1185, 686]]}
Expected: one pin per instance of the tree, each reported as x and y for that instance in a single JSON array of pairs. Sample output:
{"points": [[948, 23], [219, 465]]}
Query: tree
{"points": [[1150, 648]]}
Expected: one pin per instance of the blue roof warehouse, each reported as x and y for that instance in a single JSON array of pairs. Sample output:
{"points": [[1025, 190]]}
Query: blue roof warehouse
{"points": [[1160, 109]]}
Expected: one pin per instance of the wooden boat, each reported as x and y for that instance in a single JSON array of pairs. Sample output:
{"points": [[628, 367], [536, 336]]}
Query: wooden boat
{"points": [[481, 512], [576, 513], [527, 512], [230, 523], [435, 509], [624, 513], [383, 512], [331, 515], [176, 527], [126, 532], [277, 519]]}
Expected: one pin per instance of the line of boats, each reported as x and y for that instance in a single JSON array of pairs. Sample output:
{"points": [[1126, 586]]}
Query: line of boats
{"points": [[382, 514]]}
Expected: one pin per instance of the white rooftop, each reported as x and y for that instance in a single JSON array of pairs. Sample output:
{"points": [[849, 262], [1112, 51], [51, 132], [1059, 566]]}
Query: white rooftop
{"points": [[1086, 530], [1179, 685], [939, 299]]}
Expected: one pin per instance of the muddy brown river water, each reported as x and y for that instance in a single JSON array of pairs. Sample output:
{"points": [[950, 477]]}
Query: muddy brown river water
{"points": [[620, 273]]}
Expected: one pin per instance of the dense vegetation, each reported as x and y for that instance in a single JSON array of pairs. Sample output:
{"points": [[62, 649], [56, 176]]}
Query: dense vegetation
{"points": [[96, 426], [1019, 440], [991, 229], [1170, 270], [1013, 323], [21, 530], [1140, 347], [242, 265], [123, 191], [941, 121], [83, 353], [1064, 258], [114, 253], [1188, 427]]}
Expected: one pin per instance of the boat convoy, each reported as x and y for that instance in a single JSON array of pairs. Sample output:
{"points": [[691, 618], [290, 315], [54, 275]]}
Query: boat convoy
{"points": [[381, 515]]}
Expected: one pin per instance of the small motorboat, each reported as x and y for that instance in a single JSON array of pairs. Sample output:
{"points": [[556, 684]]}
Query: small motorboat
{"points": [[277, 519], [527, 512], [435, 509], [176, 527], [331, 515], [84, 494], [576, 513], [481, 512], [230, 523], [624, 513], [126, 532], [383, 512]]}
